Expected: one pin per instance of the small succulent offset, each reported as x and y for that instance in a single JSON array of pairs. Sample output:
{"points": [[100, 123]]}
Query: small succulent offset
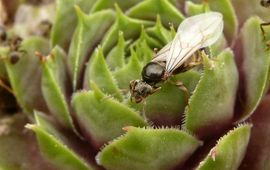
{"points": [[69, 65]]}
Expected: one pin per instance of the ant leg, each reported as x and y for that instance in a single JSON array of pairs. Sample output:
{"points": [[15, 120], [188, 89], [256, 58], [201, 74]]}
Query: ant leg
{"points": [[183, 88], [262, 29], [143, 110], [155, 90], [206, 51], [262, 25], [196, 60], [193, 64]]}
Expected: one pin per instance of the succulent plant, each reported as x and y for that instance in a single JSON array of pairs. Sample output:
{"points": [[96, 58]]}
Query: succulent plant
{"points": [[68, 64]]}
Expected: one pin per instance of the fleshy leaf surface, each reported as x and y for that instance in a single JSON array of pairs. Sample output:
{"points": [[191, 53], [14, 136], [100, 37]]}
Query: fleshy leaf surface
{"points": [[54, 89], [65, 21], [159, 32], [143, 51], [149, 9], [229, 16], [25, 74], [131, 71], [105, 4], [148, 149], [194, 9], [101, 117], [116, 58], [229, 151], [129, 26], [151, 42], [99, 72], [256, 65], [211, 106], [53, 148], [89, 31]]}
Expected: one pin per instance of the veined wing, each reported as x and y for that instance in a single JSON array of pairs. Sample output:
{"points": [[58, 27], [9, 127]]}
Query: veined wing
{"points": [[163, 53], [193, 34]]}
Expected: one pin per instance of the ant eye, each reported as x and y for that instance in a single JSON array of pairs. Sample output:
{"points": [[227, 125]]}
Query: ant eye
{"points": [[144, 90]]}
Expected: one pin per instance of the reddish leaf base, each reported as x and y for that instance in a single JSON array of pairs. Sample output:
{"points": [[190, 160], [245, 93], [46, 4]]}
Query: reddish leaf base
{"points": [[258, 152]]}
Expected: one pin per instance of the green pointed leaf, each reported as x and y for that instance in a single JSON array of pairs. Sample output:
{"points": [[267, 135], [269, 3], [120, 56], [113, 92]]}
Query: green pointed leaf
{"points": [[101, 117], [148, 149], [256, 65], [54, 77], [144, 52], [159, 32], [99, 72], [116, 58], [129, 26], [64, 8], [53, 148], [85, 5], [19, 150], [212, 102], [195, 9], [149, 9], [230, 20], [89, 31], [25, 74], [151, 42], [229, 151], [65, 21], [105, 4], [131, 71]]}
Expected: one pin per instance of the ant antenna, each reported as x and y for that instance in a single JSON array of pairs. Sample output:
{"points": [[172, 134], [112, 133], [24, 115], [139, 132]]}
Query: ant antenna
{"points": [[143, 110]]}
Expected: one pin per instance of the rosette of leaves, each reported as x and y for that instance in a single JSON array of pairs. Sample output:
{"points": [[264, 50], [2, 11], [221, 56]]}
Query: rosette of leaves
{"points": [[73, 87]]}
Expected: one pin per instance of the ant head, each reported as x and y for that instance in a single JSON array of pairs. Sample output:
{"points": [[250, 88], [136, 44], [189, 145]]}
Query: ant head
{"points": [[139, 90]]}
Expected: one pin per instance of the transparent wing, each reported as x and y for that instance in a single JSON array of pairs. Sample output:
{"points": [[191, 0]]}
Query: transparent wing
{"points": [[163, 53], [193, 34]]}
